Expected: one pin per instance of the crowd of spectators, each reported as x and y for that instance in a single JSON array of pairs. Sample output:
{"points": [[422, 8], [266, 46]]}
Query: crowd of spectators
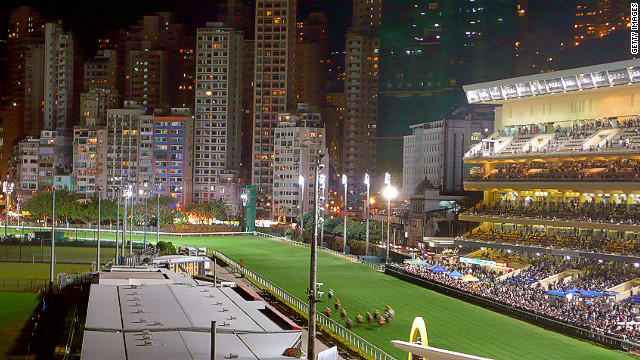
{"points": [[592, 241], [626, 169], [523, 291], [612, 213], [572, 138]]}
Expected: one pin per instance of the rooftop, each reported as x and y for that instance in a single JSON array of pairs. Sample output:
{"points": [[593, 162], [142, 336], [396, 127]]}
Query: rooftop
{"points": [[173, 320]]}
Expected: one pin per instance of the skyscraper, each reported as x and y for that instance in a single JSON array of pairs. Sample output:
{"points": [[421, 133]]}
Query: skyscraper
{"points": [[34, 90], [25, 30], [219, 59], [153, 61], [310, 60], [60, 105], [274, 50], [361, 91]]}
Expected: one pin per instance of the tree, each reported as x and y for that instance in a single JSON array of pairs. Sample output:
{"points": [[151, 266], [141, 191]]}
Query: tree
{"points": [[166, 248]]}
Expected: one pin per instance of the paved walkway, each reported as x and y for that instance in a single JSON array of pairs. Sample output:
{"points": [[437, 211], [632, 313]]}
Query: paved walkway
{"points": [[224, 274]]}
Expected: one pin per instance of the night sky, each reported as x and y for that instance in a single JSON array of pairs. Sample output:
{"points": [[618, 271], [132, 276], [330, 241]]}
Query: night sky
{"points": [[92, 18]]}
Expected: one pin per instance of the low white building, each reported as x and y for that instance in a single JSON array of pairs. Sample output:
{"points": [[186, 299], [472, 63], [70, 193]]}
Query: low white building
{"points": [[435, 149], [299, 138]]}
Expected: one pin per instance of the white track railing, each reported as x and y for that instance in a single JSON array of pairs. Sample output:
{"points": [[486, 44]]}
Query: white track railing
{"points": [[351, 258], [363, 345]]}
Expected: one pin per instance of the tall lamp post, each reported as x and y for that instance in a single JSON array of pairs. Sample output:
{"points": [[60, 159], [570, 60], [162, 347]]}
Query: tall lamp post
{"points": [[301, 183], [127, 194], [322, 180], [158, 220], [389, 192], [367, 182], [117, 227], [7, 189], [53, 242], [141, 192], [344, 231], [99, 219], [313, 285]]}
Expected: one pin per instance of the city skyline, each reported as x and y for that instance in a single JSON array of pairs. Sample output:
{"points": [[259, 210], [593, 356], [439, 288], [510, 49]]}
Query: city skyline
{"points": [[395, 72]]}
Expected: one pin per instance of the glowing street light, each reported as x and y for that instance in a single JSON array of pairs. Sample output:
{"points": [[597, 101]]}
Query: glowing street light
{"points": [[366, 240], [128, 192], [301, 183], [7, 188], [389, 192]]}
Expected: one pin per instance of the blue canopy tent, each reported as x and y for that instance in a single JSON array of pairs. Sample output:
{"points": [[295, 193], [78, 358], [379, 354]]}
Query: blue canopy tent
{"points": [[454, 273], [437, 268], [556, 292], [588, 293]]}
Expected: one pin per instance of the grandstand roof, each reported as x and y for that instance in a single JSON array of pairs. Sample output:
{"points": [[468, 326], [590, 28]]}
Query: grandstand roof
{"points": [[173, 321], [589, 77]]}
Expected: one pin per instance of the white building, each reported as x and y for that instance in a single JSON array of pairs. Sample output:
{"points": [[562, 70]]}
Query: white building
{"points": [[58, 78], [129, 156], [434, 150], [218, 108], [298, 139]]}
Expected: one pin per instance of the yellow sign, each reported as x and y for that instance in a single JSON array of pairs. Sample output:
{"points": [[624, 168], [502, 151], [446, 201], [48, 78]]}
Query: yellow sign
{"points": [[418, 327]]}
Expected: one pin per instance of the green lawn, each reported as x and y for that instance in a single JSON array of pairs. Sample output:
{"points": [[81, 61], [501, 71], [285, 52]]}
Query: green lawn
{"points": [[64, 254], [15, 309], [452, 324], [38, 271]]}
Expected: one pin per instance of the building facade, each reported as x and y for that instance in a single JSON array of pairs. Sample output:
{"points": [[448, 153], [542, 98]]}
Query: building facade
{"points": [[275, 31], [361, 93], [59, 58], [123, 149], [101, 71], [94, 105], [218, 107], [435, 150], [173, 135], [89, 160], [299, 138]]}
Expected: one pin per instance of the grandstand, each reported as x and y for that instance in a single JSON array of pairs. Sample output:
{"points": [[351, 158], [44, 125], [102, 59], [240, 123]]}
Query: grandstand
{"points": [[562, 169]]}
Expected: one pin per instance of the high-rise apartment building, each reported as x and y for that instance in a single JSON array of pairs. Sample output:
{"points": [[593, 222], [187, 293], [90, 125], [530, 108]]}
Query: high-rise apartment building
{"points": [[25, 30], [246, 138], [34, 90], [274, 52], [299, 138], [27, 165], [173, 133], [310, 60], [101, 71], [55, 157], [125, 150], [217, 107], [89, 160], [153, 61], [598, 18], [94, 105], [59, 102], [361, 92]]}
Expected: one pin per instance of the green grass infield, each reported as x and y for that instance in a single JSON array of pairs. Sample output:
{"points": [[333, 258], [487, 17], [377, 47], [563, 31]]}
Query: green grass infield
{"points": [[451, 324]]}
